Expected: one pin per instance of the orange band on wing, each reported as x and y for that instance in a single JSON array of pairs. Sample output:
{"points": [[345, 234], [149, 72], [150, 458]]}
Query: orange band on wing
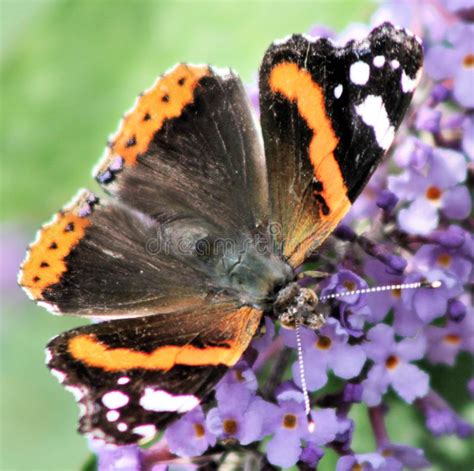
{"points": [[297, 85], [45, 262], [165, 100], [89, 350]]}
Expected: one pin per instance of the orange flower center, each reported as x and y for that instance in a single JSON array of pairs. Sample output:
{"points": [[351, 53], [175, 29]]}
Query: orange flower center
{"points": [[289, 421], [239, 376], [357, 467], [391, 362], [230, 426], [323, 342], [452, 339], [396, 293], [349, 285], [444, 259], [468, 60], [199, 430], [433, 193]]}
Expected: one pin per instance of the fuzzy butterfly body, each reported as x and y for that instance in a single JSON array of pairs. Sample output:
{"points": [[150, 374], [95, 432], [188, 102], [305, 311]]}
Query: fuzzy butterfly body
{"points": [[206, 224]]}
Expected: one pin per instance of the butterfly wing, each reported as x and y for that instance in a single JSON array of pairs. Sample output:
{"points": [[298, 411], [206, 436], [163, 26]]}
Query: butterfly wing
{"points": [[186, 166], [328, 115], [101, 259], [189, 149], [133, 376]]}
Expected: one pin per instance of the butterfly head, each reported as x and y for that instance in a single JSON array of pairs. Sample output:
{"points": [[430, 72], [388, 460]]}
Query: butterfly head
{"points": [[296, 306]]}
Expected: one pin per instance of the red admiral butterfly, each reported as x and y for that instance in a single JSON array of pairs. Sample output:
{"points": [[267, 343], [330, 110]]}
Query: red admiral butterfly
{"points": [[207, 224]]}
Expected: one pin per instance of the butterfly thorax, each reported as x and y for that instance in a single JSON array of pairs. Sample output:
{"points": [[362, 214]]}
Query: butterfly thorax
{"points": [[257, 276]]}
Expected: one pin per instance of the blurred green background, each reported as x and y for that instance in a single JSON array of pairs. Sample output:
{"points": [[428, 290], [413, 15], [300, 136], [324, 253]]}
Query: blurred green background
{"points": [[69, 69]]}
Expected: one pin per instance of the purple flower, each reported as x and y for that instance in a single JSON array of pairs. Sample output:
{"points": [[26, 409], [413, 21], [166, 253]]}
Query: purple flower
{"points": [[367, 462], [454, 58], [326, 426], [290, 427], [12, 246], [112, 458], [458, 5], [423, 305], [413, 153], [428, 119], [262, 343], [320, 31], [365, 207], [441, 419], [456, 310], [453, 260], [345, 432], [345, 280], [252, 93], [468, 137], [470, 387], [408, 456], [444, 343], [239, 414], [387, 200], [352, 392], [438, 189], [189, 435], [380, 303], [241, 374], [311, 454], [439, 93], [392, 366], [329, 349]]}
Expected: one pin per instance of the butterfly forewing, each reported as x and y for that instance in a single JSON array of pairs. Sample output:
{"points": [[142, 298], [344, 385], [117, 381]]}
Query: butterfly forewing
{"points": [[328, 115]]}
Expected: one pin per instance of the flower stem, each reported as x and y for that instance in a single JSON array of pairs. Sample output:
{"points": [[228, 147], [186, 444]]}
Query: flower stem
{"points": [[377, 420]]}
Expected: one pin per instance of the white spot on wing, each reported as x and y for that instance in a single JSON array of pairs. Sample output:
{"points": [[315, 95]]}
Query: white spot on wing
{"points": [[76, 392], [114, 399], [395, 64], [122, 427], [359, 73], [52, 308], [160, 401], [60, 376], [409, 84], [146, 431], [224, 73], [82, 409], [281, 41], [112, 415], [48, 354], [338, 91], [379, 61], [373, 113], [123, 380], [310, 38]]}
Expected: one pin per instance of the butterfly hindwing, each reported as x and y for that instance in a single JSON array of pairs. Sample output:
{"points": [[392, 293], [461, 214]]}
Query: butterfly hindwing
{"points": [[133, 376], [99, 258], [328, 115]]}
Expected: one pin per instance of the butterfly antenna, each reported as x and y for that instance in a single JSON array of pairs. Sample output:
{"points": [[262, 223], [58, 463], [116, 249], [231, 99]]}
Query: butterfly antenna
{"points": [[377, 289], [307, 404]]}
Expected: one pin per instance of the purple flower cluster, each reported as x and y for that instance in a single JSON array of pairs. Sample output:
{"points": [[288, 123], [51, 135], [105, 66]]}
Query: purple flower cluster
{"points": [[415, 219]]}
